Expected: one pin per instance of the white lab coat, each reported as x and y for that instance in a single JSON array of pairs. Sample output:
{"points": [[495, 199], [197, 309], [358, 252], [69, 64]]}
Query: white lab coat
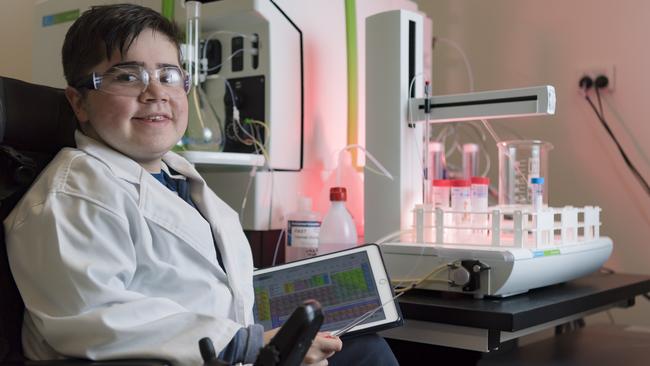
{"points": [[112, 264]]}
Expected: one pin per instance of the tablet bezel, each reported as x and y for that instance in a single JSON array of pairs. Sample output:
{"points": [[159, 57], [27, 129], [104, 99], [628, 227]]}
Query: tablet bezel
{"points": [[393, 315]]}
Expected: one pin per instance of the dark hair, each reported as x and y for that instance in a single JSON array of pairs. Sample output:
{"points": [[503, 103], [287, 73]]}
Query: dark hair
{"points": [[102, 30]]}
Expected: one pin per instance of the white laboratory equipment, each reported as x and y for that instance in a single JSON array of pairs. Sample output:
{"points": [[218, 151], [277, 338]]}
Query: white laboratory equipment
{"points": [[506, 250], [251, 72]]}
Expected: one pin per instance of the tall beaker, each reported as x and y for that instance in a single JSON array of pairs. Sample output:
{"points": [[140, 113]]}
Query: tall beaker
{"points": [[519, 161]]}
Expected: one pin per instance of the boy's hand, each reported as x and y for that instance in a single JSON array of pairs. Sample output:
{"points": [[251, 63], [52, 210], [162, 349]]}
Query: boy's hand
{"points": [[269, 334], [322, 348]]}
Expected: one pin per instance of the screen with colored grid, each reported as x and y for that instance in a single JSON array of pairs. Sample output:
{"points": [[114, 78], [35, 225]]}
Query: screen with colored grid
{"points": [[344, 286]]}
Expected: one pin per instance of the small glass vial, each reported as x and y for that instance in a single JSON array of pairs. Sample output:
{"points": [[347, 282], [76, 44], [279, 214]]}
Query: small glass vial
{"points": [[537, 193]]}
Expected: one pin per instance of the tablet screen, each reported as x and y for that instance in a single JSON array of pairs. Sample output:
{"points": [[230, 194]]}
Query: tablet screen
{"points": [[344, 285]]}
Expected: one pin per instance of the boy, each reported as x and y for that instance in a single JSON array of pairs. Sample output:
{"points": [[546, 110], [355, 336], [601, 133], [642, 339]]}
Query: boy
{"points": [[119, 249]]}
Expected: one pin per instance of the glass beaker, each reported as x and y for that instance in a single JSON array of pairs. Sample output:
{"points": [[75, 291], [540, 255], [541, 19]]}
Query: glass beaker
{"points": [[519, 161]]}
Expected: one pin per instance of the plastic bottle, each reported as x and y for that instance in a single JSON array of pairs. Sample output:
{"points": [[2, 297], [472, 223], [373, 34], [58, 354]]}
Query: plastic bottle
{"points": [[479, 192], [440, 193], [337, 231], [303, 229]]}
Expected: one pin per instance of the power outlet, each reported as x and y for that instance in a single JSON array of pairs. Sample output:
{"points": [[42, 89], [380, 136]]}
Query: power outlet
{"points": [[594, 72]]}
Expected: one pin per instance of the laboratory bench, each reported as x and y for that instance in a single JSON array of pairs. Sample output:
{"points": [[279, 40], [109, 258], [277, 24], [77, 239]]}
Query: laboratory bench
{"points": [[458, 327]]}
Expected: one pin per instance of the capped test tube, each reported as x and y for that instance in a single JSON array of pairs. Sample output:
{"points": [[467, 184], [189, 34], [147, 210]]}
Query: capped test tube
{"points": [[440, 193], [470, 161], [537, 192]]}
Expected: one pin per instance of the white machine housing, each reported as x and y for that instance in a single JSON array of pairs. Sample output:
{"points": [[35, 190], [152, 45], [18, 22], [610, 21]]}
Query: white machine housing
{"points": [[502, 252], [271, 58], [393, 59], [394, 111]]}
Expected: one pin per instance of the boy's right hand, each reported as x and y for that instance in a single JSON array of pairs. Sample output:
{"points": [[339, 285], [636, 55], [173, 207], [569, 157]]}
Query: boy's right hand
{"points": [[322, 348]]}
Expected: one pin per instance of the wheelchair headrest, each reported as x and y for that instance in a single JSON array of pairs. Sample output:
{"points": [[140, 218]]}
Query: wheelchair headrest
{"points": [[34, 117]]}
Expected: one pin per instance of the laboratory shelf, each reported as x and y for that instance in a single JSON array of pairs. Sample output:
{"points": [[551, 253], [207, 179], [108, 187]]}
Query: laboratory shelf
{"points": [[223, 158]]}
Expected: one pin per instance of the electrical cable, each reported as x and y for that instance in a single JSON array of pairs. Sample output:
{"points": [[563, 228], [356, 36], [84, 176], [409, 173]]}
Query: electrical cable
{"points": [[417, 282], [277, 246], [248, 188], [600, 103], [228, 59], [211, 36], [627, 160]]}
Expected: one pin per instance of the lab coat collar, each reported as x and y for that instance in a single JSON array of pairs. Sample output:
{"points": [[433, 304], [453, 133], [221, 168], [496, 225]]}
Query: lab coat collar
{"points": [[121, 165]]}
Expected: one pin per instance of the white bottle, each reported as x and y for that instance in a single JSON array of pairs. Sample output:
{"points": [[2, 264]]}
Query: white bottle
{"points": [[303, 228], [338, 231]]}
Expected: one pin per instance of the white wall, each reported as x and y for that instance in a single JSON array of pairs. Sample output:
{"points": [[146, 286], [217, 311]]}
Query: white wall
{"points": [[15, 38], [517, 43]]}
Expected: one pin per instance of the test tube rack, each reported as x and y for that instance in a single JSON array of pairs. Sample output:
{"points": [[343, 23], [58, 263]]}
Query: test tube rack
{"points": [[520, 227]]}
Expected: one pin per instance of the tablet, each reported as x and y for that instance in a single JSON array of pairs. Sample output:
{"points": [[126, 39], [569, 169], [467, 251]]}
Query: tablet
{"points": [[347, 284]]}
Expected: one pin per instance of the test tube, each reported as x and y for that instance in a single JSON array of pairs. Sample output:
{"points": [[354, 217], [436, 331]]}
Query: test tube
{"points": [[437, 160], [461, 205], [479, 192], [470, 161], [537, 192]]}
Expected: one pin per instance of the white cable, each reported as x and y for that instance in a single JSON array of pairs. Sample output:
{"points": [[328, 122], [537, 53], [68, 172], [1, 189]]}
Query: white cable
{"points": [[277, 246], [381, 168], [391, 236], [470, 77], [468, 68], [252, 50], [410, 123], [248, 188]]}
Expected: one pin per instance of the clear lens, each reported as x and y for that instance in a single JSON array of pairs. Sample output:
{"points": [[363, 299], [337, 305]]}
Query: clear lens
{"points": [[133, 80]]}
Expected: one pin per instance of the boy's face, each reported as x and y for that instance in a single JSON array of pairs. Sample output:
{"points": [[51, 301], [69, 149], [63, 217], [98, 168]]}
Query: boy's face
{"points": [[143, 127]]}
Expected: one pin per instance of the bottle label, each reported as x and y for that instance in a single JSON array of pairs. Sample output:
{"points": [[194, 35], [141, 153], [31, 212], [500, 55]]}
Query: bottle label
{"points": [[303, 234]]}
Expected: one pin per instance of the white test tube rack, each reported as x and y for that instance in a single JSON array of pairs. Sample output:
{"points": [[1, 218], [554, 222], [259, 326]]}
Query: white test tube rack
{"points": [[507, 227]]}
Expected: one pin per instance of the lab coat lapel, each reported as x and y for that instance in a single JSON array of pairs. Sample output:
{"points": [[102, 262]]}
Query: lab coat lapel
{"points": [[228, 235], [183, 221]]}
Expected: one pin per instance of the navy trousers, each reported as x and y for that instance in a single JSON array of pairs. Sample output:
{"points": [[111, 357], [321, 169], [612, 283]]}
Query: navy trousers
{"points": [[364, 350]]}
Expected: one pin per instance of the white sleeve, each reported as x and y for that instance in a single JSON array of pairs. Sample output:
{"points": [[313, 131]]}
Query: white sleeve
{"points": [[73, 260]]}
